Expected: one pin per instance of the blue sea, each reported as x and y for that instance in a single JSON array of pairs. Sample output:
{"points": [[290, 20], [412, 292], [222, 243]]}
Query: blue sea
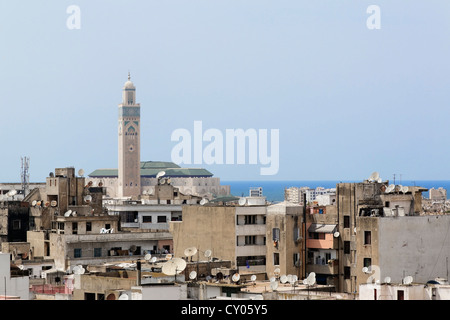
{"points": [[274, 190]]}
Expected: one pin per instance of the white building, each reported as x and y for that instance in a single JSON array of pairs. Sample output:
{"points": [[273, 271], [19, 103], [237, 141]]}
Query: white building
{"points": [[12, 287], [295, 195], [413, 291]]}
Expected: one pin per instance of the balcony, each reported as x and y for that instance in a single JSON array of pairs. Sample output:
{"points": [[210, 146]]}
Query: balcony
{"points": [[250, 229], [330, 268]]}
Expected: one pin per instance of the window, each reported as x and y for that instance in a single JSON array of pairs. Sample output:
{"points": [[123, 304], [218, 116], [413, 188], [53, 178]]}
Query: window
{"points": [[250, 219], [317, 235], [346, 221], [97, 252], [276, 234], [346, 247], [74, 227], [147, 219], [276, 259], [346, 272], [162, 219], [296, 259], [367, 237], [88, 226], [250, 240], [77, 253], [367, 263]]}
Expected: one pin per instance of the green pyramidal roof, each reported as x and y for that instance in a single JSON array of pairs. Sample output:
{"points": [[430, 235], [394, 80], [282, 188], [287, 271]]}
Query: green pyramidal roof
{"points": [[150, 169]]}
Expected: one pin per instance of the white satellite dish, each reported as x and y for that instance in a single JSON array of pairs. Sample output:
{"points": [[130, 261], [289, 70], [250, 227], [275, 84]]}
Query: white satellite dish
{"points": [[153, 260], [189, 252], [147, 257], [124, 296], [160, 174], [235, 277], [390, 188], [87, 198], [81, 172], [103, 230], [387, 280], [336, 234], [68, 213], [74, 213], [289, 278], [365, 269], [408, 280], [168, 256], [208, 253], [283, 278], [173, 266], [273, 285], [405, 189], [253, 278], [277, 271], [311, 279], [242, 201], [53, 203], [192, 275], [374, 176], [203, 201], [273, 279], [33, 203]]}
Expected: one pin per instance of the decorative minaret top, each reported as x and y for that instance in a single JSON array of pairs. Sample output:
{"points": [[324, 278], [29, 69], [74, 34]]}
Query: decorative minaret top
{"points": [[129, 92]]}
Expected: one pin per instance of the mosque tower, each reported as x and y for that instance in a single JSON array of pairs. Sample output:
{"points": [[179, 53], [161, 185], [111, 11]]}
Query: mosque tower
{"points": [[129, 177]]}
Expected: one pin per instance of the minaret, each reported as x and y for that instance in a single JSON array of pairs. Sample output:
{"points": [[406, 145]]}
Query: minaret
{"points": [[129, 176]]}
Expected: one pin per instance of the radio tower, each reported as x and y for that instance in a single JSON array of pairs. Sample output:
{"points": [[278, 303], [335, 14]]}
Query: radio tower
{"points": [[25, 176]]}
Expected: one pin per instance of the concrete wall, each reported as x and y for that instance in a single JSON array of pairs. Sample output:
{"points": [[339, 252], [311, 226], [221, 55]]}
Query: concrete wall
{"points": [[206, 227], [165, 292], [414, 246], [14, 286]]}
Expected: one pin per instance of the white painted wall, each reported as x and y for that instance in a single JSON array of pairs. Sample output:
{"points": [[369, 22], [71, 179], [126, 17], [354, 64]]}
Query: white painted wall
{"points": [[16, 286]]}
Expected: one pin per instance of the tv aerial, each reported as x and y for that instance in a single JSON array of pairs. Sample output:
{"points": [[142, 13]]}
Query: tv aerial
{"points": [[173, 267]]}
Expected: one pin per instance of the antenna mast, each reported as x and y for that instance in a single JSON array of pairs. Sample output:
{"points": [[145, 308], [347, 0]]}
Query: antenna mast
{"points": [[24, 174]]}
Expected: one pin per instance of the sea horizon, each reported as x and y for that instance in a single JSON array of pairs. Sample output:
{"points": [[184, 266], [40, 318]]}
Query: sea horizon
{"points": [[273, 190]]}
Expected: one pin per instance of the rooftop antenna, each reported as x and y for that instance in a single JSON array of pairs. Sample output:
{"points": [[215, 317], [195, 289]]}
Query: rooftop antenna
{"points": [[25, 176]]}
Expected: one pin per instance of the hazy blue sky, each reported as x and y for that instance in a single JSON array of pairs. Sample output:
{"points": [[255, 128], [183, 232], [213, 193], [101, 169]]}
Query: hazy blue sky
{"points": [[347, 100]]}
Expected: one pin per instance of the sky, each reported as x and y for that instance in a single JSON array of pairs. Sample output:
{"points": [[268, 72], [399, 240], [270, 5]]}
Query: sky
{"points": [[347, 99]]}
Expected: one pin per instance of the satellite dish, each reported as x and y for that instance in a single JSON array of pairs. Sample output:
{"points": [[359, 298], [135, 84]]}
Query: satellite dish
{"points": [[277, 271], [374, 176], [283, 278], [168, 256], [235, 277], [405, 189], [81, 172], [103, 230], [87, 198], [53, 203], [189, 252], [192, 275], [390, 188], [21, 267], [408, 280], [242, 201], [173, 266], [203, 201], [253, 278], [387, 280], [273, 285], [208, 253], [160, 174], [336, 234], [68, 213], [132, 248], [148, 256], [311, 279], [153, 260], [124, 296], [11, 193], [365, 270], [74, 214], [33, 203]]}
